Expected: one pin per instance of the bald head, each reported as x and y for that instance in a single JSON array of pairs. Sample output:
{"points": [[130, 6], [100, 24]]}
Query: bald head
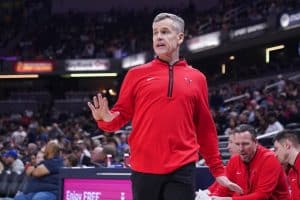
{"points": [[98, 155]]}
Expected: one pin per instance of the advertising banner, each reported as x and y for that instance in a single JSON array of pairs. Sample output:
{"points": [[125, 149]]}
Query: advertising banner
{"points": [[204, 42], [248, 32], [97, 189], [288, 21], [76, 65], [34, 67]]}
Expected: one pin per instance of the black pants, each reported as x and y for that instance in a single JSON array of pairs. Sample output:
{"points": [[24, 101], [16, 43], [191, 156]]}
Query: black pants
{"points": [[178, 185]]}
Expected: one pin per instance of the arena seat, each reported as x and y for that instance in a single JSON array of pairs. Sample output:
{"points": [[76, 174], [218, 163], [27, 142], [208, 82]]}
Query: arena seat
{"points": [[14, 182], [3, 183], [10, 183]]}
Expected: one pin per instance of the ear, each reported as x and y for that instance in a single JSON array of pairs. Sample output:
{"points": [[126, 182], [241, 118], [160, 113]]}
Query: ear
{"points": [[180, 38], [288, 144]]}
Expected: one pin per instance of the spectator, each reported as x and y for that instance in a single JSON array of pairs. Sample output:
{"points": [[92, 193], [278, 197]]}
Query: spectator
{"points": [[274, 124], [84, 147], [19, 136], [83, 160], [255, 169], [39, 157], [12, 162], [110, 152], [287, 149], [123, 145], [31, 150], [70, 160], [43, 182], [98, 157]]}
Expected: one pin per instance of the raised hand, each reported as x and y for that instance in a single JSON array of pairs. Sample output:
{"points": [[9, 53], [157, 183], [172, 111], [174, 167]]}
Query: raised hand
{"points": [[100, 109]]}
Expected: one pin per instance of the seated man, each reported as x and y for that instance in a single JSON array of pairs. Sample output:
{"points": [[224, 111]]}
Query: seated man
{"points": [[105, 156], [98, 157], [256, 169], [12, 162], [43, 180], [287, 149], [233, 150]]}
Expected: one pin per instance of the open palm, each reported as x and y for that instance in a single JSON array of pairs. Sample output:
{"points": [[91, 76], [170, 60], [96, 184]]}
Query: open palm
{"points": [[100, 109]]}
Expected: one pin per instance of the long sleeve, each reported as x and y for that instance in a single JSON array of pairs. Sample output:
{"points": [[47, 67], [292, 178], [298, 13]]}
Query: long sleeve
{"points": [[267, 181], [207, 134], [124, 104], [220, 190]]}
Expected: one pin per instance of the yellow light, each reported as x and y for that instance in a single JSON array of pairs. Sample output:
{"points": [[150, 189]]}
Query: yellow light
{"points": [[223, 69], [19, 76], [83, 75], [232, 58], [269, 50]]}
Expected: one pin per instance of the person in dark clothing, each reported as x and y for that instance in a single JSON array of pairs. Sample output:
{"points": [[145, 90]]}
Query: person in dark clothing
{"points": [[83, 160], [43, 180]]}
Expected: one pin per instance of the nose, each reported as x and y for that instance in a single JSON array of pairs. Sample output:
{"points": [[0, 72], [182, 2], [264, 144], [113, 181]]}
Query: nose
{"points": [[240, 148], [158, 36]]}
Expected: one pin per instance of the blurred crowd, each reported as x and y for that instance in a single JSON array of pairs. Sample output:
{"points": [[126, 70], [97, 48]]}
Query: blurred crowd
{"points": [[268, 105], [32, 32], [23, 138], [116, 34]]}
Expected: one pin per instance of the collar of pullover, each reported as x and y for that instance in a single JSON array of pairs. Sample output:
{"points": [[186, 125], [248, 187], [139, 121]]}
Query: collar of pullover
{"points": [[181, 62]]}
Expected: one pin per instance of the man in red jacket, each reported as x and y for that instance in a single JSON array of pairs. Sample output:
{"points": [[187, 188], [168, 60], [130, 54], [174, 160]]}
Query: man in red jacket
{"points": [[287, 149], [233, 150], [167, 103], [256, 169]]}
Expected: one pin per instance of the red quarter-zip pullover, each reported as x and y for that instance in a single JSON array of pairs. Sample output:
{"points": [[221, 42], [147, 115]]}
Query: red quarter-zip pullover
{"points": [[261, 179], [294, 179], [171, 120]]}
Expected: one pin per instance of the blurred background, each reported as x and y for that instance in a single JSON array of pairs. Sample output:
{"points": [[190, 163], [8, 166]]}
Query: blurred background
{"points": [[56, 54]]}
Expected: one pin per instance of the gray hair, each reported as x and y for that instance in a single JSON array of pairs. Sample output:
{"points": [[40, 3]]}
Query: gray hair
{"points": [[178, 21]]}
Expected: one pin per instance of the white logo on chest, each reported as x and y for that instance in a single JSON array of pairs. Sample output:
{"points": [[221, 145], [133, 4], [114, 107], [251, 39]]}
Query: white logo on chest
{"points": [[187, 80]]}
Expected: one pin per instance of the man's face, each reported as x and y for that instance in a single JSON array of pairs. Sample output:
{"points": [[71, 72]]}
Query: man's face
{"points": [[232, 148], [281, 151], [166, 38], [246, 145], [8, 160]]}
